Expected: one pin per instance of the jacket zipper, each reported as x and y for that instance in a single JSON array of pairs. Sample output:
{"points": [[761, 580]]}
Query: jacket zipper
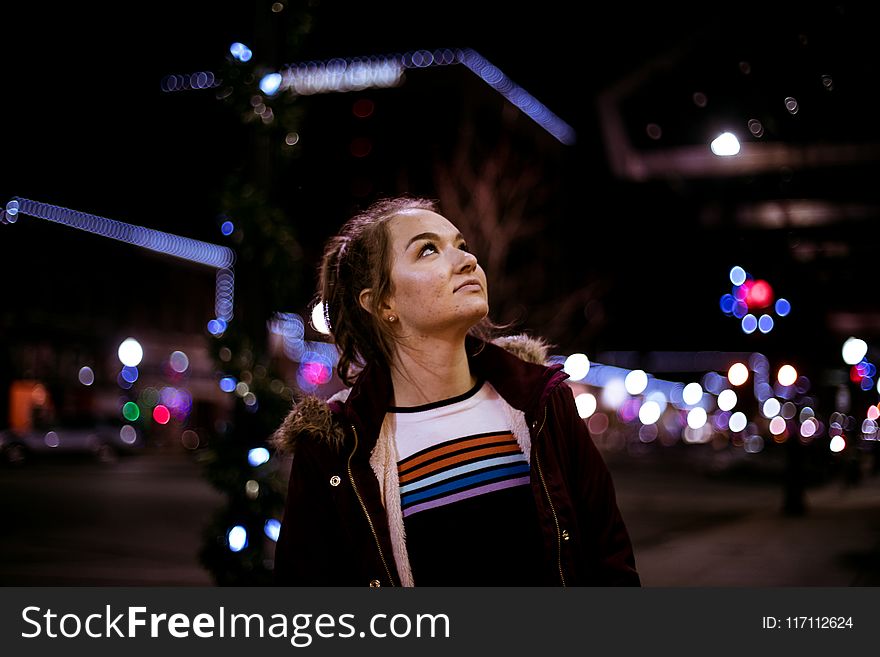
{"points": [[364, 508], [550, 502]]}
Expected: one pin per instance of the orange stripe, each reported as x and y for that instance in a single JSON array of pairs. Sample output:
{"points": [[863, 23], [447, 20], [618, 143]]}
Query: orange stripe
{"points": [[464, 444], [455, 459]]}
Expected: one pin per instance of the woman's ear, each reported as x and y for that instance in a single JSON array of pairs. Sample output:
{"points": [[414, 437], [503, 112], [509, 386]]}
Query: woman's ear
{"points": [[365, 298]]}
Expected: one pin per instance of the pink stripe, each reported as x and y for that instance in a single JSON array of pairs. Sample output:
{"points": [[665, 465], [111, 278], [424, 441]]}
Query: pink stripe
{"points": [[473, 492]]}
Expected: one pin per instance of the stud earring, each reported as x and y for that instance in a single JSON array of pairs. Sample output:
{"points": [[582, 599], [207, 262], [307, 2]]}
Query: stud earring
{"points": [[392, 318]]}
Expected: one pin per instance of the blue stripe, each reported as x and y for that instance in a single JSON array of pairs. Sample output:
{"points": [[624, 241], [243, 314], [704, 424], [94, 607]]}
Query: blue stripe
{"points": [[499, 473], [461, 469]]}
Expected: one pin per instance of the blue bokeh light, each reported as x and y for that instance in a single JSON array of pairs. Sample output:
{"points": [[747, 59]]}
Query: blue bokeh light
{"points": [[227, 227], [783, 307], [241, 52], [258, 456], [216, 326], [271, 83], [237, 538], [272, 528], [749, 323], [765, 324], [727, 303], [129, 373], [737, 275]]}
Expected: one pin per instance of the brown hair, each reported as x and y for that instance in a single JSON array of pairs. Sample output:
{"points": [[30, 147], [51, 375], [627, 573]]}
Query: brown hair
{"points": [[357, 258]]}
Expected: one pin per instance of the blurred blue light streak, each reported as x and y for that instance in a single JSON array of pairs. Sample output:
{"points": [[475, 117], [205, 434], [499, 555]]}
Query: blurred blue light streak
{"points": [[356, 73], [213, 255]]}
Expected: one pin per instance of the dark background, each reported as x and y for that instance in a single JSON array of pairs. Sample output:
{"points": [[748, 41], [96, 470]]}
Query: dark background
{"points": [[85, 126]]}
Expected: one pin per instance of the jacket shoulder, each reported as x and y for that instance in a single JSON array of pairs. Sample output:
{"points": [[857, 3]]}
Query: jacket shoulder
{"points": [[525, 347], [311, 418]]}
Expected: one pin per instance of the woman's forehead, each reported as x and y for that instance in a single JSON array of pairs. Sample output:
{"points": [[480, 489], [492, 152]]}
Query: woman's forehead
{"points": [[405, 225]]}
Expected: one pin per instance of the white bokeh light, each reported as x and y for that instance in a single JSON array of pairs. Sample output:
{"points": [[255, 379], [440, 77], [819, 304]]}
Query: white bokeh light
{"points": [[586, 404], [130, 352], [771, 407], [636, 382], [577, 366], [319, 321], [725, 144], [837, 444], [737, 421], [726, 400], [854, 350], [696, 418], [649, 412], [787, 375], [738, 374], [614, 393], [692, 394]]}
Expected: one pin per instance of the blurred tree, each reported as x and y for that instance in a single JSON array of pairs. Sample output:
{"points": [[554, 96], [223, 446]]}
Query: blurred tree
{"points": [[505, 196], [239, 541]]}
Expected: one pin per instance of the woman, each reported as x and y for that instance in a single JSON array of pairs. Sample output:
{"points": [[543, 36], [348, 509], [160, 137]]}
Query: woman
{"points": [[451, 460]]}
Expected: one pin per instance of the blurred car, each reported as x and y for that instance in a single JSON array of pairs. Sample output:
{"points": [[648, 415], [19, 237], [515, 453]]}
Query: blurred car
{"points": [[104, 442]]}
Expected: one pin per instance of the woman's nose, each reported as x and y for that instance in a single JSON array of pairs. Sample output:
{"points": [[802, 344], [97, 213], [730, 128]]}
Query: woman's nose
{"points": [[467, 261]]}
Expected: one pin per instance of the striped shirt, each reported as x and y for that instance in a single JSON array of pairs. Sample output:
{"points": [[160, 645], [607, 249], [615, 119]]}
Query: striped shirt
{"points": [[465, 493]]}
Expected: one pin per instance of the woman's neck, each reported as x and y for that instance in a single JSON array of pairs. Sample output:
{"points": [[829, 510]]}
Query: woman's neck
{"points": [[430, 371]]}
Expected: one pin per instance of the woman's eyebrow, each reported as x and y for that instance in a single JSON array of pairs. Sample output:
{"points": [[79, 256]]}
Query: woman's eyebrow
{"points": [[430, 236]]}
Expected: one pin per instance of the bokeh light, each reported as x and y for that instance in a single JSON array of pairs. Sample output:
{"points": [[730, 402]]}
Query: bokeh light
{"points": [[737, 421], [86, 376], [692, 394], [696, 418], [272, 528], [649, 412], [237, 538], [636, 382], [854, 350], [258, 456], [161, 414], [586, 404], [787, 375], [131, 411], [738, 374], [725, 145], [179, 361], [319, 319], [726, 400], [130, 352], [577, 366]]}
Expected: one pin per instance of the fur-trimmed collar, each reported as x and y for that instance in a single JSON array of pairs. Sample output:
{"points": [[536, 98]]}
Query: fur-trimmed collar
{"points": [[312, 416]]}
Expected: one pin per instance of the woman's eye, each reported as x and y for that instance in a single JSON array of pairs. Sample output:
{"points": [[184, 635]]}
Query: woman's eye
{"points": [[464, 247], [427, 246]]}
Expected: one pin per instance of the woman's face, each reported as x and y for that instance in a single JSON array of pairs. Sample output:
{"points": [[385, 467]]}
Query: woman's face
{"points": [[436, 284]]}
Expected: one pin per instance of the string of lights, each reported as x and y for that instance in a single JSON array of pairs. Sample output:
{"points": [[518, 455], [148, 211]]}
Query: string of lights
{"points": [[379, 71], [213, 255]]}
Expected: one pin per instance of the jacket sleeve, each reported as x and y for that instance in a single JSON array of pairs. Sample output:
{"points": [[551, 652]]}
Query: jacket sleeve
{"points": [[605, 537], [311, 540]]}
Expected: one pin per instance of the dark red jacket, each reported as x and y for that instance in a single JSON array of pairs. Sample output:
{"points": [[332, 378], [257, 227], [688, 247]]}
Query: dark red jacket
{"points": [[335, 530]]}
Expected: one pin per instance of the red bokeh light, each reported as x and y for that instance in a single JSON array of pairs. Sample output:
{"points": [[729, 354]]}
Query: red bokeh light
{"points": [[161, 414], [855, 374], [759, 294]]}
